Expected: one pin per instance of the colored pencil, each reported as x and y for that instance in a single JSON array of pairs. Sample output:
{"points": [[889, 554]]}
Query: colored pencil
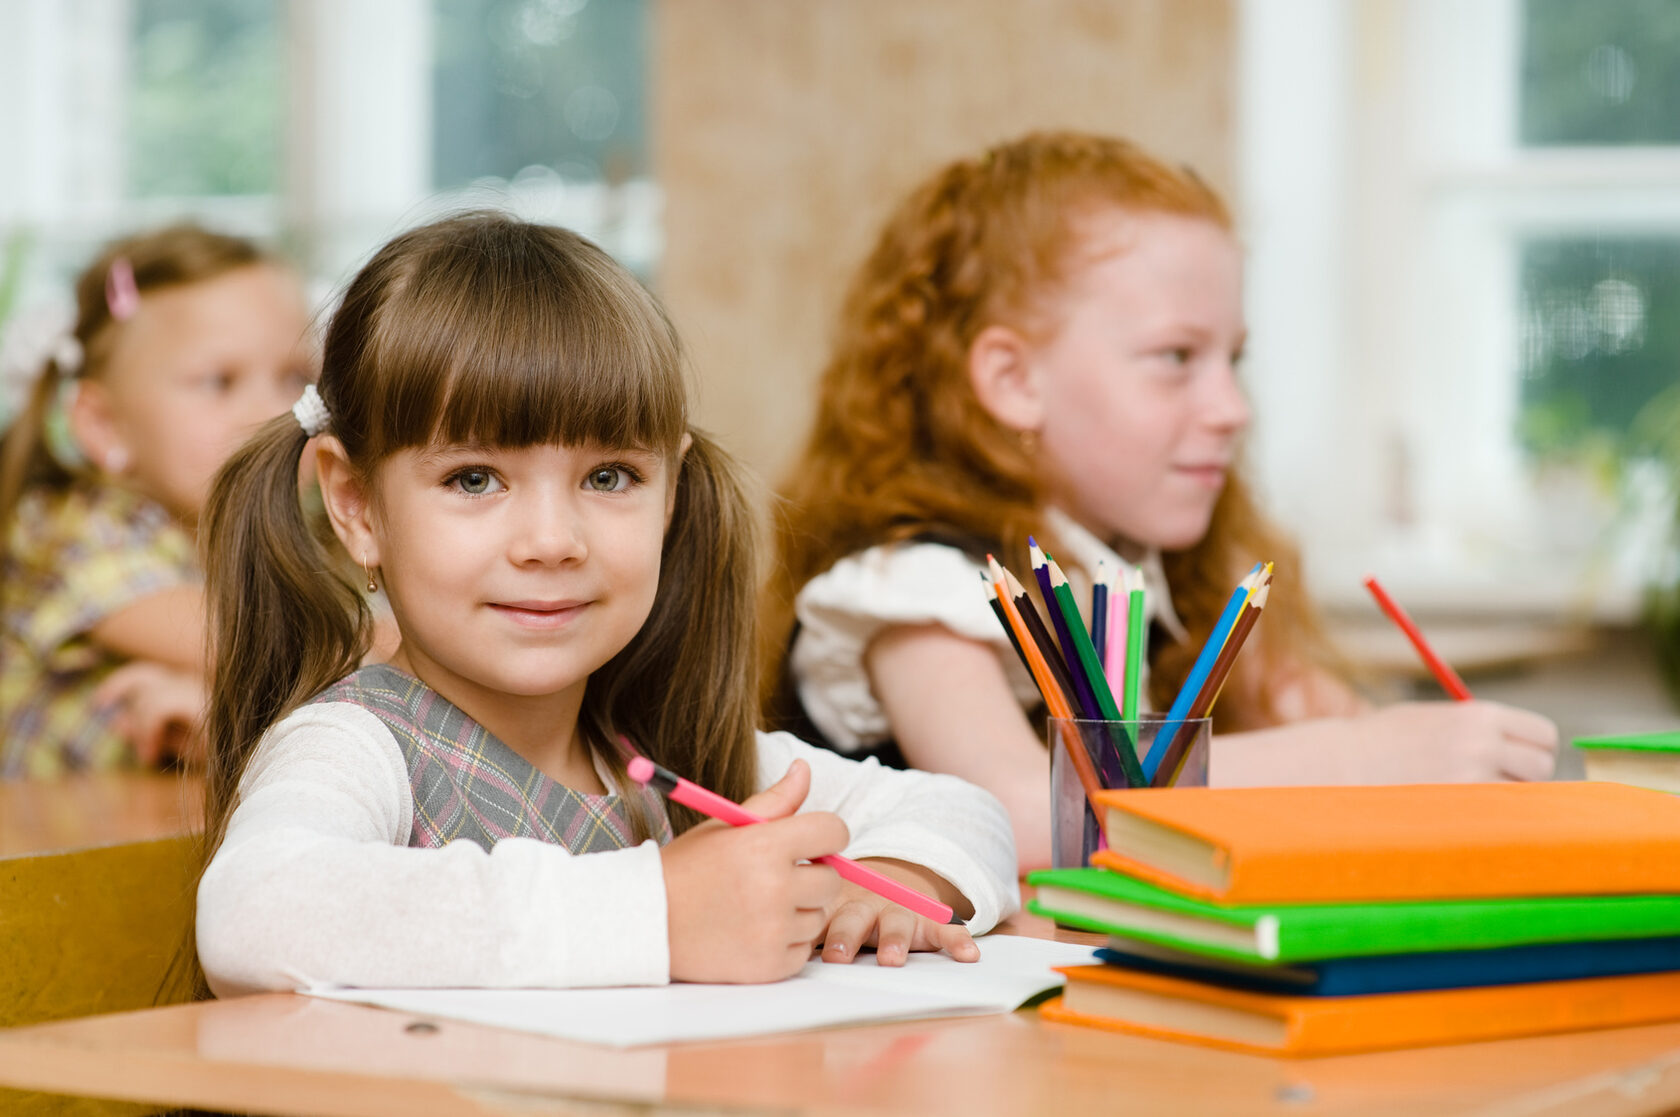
{"points": [[1055, 700], [1084, 699], [1018, 596], [1173, 762], [1124, 750], [1199, 671], [1099, 613], [1003, 618], [1445, 675], [710, 803], [1136, 636], [1114, 655]]}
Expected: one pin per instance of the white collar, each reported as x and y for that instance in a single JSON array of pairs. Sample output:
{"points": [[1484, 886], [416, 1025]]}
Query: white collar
{"points": [[1085, 549]]}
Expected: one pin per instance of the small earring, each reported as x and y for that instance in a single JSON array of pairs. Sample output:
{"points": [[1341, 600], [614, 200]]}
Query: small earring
{"points": [[373, 587], [1029, 443], [117, 460]]}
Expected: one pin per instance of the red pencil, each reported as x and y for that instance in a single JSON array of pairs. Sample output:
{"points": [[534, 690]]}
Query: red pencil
{"points": [[1446, 676]]}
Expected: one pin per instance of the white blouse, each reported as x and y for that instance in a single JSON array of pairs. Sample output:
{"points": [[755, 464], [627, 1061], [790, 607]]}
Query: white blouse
{"points": [[900, 584], [315, 881]]}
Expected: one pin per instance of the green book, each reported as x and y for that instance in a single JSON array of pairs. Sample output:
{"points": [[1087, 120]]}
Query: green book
{"points": [[1115, 904], [1641, 759]]}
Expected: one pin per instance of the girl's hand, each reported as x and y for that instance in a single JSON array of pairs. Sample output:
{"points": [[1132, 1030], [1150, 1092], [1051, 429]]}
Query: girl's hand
{"points": [[860, 918], [159, 711], [742, 906], [1452, 742], [1412, 742]]}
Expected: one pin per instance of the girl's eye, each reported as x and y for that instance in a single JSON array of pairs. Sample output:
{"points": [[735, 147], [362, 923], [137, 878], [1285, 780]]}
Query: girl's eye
{"points": [[609, 479], [475, 482]]}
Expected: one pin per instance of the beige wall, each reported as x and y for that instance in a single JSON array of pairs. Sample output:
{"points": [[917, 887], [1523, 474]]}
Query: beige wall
{"points": [[785, 129]]}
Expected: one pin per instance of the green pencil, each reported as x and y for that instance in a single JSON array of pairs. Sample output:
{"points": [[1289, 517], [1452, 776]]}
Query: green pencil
{"points": [[1134, 645], [1092, 668]]}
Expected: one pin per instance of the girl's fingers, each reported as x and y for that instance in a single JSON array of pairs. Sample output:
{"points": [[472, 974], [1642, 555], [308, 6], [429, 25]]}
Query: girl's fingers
{"points": [[1525, 762], [848, 930], [895, 933], [954, 939]]}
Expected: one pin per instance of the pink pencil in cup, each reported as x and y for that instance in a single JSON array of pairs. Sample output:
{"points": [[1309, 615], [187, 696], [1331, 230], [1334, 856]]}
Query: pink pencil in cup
{"points": [[713, 805]]}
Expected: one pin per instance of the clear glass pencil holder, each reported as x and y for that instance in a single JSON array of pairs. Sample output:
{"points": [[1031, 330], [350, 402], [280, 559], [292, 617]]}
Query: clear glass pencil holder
{"points": [[1074, 833]]}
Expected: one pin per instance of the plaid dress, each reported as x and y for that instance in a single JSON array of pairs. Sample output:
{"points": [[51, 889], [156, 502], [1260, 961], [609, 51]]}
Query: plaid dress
{"points": [[467, 784], [74, 557]]}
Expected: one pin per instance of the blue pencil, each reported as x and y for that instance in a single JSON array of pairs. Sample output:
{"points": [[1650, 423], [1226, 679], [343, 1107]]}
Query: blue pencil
{"points": [[1099, 613], [1199, 672]]}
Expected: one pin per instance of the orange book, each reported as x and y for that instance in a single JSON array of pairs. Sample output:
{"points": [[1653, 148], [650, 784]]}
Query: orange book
{"points": [[1408, 842], [1273, 1024]]}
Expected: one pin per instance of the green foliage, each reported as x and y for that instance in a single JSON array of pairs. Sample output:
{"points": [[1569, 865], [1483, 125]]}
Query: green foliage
{"points": [[209, 97], [1600, 72]]}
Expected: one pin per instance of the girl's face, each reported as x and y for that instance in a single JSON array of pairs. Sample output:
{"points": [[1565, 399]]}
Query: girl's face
{"points": [[193, 374], [516, 573], [1138, 406]]}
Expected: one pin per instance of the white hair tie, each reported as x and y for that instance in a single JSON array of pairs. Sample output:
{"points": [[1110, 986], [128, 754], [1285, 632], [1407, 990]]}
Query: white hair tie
{"points": [[311, 413]]}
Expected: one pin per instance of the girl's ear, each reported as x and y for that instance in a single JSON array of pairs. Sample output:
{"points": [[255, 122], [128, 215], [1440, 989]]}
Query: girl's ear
{"points": [[345, 494], [94, 427], [676, 474], [1005, 378]]}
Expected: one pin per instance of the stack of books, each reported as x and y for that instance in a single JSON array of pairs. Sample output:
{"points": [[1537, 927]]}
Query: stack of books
{"points": [[1642, 759], [1325, 920]]}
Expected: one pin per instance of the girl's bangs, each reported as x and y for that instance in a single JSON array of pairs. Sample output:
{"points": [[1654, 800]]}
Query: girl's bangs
{"points": [[526, 348]]}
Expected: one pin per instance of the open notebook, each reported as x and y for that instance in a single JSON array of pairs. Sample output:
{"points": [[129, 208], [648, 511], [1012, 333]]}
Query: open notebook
{"points": [[1012, 970]]}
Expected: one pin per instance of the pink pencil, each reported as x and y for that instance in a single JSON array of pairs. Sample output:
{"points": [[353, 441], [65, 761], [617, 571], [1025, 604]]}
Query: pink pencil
{"points": [[1119, 612], [713, 805]]}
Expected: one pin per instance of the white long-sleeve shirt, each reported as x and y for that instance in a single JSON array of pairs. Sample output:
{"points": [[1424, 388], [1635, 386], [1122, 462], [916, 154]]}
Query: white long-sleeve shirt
{"points": [[314, 881]]}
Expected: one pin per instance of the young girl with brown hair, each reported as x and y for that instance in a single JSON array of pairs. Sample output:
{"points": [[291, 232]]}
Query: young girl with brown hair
{"points": [[1044, 340], [184, 341], [504, 447]]}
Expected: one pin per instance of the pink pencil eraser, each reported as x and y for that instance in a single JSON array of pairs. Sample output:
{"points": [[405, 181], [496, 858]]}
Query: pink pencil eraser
{"points": [[641, 769]]}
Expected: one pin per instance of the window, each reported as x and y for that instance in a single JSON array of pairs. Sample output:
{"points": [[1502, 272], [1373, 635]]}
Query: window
{"points": [[325, 127], [1465, 292]]}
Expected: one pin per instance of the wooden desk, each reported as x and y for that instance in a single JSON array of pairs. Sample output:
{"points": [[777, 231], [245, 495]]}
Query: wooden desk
{"points": [[289, 1054], [96, 895], [98, 809]]}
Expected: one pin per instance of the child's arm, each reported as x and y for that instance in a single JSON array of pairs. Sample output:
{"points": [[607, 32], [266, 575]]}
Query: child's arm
{"points": [[951, 710], [314, 883], [164, 627], [1412, 742]]}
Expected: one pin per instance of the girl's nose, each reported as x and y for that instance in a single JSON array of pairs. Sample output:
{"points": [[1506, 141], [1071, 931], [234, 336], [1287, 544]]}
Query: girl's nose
{"points": [[546, 533], [1225, 404]]}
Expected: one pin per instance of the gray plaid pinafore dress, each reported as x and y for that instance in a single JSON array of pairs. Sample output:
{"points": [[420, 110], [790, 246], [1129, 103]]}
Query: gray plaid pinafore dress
{"points": [[467, 784]]}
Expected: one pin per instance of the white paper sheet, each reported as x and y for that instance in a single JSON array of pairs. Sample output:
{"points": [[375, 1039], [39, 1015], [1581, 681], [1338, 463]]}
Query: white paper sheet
{"points": [[1012, 970]]}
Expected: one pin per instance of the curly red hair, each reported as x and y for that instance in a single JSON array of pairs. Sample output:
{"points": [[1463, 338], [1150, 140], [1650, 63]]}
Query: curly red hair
{"points": [[901, 445]]}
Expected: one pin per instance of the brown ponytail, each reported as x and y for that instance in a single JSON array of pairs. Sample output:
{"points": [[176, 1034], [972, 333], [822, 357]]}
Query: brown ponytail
{"points": [[283, 624]]}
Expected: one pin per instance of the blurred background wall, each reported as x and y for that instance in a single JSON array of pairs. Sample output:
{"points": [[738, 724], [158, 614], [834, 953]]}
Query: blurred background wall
{"points": [[1461, 221], [783, 133]]}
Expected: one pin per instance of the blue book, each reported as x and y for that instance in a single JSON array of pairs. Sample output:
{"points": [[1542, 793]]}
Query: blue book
{"points": [[1401, 973]]}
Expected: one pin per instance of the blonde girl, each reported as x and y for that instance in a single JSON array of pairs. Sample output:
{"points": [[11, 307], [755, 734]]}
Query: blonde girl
{"points": [[1045, 340], [184, 341], [504, 448]]}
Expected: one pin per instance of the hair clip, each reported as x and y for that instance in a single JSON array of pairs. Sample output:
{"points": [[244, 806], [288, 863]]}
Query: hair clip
{"points": [[122, 296]]}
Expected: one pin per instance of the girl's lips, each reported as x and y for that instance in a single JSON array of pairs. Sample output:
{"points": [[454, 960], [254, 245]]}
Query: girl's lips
{"points": [[1212, 475], [539, 614]]}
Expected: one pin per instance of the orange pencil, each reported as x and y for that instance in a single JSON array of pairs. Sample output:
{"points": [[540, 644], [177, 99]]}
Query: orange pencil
{"points": [[1053, 697]]}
